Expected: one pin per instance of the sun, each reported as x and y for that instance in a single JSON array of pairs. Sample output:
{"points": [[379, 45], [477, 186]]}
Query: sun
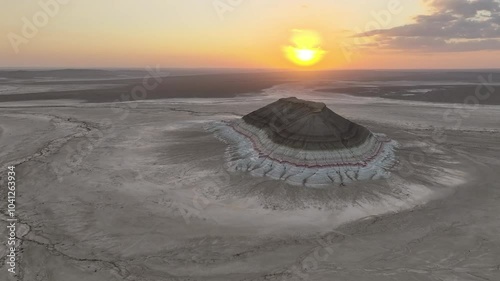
{"points": [[305, 55], [305, 50]]}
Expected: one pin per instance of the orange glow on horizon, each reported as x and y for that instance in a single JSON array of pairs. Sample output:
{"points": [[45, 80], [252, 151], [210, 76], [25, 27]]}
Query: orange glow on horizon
{"points": [[292, 35]]}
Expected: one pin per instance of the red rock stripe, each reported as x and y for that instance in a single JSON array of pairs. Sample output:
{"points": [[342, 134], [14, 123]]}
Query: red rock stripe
{"points": [[263, 155]]}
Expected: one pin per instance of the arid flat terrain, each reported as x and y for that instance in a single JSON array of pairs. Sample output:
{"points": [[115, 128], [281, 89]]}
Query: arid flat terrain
{"points": [[139, 191]]}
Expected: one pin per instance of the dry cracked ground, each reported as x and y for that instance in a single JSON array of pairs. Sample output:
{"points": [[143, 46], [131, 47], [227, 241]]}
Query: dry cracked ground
{"points": [[138, 191]]}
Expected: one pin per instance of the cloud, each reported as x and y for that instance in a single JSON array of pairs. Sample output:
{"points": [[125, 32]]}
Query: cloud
{"points": [[453, 25]]}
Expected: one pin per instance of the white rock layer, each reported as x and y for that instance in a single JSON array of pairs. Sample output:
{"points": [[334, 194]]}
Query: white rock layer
{"points": [[251, 150]]}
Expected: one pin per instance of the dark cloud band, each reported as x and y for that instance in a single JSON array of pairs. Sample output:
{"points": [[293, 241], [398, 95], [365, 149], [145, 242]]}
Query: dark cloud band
{"points": [[454, 25]]}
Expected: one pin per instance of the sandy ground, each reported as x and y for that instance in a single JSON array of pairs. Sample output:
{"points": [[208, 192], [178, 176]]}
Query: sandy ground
{"points": [[139, 192]]}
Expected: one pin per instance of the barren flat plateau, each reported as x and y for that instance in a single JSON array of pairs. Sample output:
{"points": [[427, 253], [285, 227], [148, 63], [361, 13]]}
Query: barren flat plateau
{"points": [[139, 191]]}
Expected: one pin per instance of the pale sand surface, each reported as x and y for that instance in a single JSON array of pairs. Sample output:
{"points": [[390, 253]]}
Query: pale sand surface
{"points": [[151, 200]]}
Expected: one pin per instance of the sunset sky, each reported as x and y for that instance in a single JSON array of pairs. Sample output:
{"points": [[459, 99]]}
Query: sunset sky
{"points": [[356, 34]]}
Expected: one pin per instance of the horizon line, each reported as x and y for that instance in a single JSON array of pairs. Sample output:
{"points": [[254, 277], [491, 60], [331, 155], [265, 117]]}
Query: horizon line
{"points": [[235, 68]]}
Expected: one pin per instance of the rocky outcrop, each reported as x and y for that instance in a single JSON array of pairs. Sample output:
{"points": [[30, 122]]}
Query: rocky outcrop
{"points": [[304, 143]]}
